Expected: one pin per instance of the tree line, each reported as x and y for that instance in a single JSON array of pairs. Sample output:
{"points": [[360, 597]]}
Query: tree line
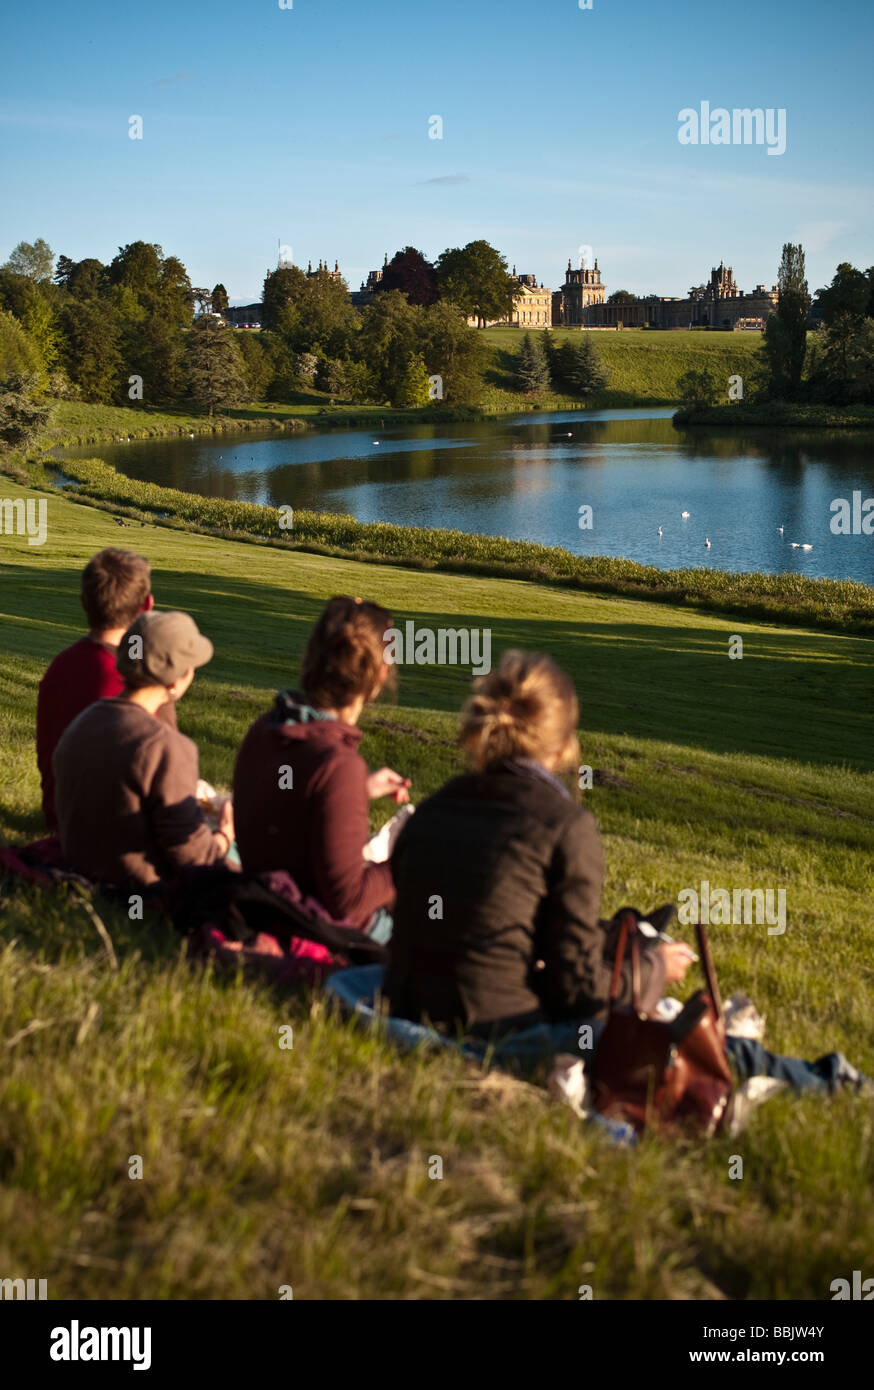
{"points": [[137, 329]]}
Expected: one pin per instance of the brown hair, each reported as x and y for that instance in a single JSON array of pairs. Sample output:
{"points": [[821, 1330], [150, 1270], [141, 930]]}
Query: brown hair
{"points": [[345, 653], [527, 707], [115, 585]]}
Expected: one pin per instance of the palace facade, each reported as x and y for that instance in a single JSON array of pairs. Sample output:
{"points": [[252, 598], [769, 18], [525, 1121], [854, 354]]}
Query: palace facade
{"points": [[582, 291], [718, 304], [532, 306]]}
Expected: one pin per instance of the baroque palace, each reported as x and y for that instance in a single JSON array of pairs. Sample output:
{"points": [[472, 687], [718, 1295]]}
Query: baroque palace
{"points": [[582, 302], [718, 304]]}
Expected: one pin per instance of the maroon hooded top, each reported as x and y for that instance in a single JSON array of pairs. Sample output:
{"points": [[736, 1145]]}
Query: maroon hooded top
{"points": [[301, 804]]}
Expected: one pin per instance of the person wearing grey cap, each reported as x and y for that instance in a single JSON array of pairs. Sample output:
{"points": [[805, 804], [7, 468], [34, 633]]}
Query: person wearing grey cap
{"points": [[125, 781]]}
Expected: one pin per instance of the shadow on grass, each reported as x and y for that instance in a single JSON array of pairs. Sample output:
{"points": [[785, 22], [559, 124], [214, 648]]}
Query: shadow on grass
{"points": [[796, 695]]}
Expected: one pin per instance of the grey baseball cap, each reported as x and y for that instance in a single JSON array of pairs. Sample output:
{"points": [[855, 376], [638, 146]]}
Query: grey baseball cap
{"points": [[158, 648]]}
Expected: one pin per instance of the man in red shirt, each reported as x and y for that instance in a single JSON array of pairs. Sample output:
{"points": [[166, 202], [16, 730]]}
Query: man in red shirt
{"points": [[116, 587]]}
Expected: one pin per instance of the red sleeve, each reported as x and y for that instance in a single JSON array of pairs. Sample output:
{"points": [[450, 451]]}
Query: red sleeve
{"points": [[76, 678], [348, 887]]}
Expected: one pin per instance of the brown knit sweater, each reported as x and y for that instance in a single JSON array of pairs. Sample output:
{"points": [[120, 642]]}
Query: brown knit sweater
{"points": [[125, 787]]}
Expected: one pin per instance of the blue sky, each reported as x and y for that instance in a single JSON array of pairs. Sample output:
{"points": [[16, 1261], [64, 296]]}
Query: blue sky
{"points": [[309, 127]]}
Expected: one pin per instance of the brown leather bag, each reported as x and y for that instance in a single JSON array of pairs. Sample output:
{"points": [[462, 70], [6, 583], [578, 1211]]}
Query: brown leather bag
{"points": [[657, 1074]]}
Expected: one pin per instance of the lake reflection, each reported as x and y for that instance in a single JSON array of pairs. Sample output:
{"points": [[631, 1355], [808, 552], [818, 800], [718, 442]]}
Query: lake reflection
{"points": [[527, 477]]}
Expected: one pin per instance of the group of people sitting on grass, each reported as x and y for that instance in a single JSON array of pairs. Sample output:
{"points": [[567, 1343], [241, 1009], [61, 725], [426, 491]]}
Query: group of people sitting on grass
{"points": [[489, 904]]}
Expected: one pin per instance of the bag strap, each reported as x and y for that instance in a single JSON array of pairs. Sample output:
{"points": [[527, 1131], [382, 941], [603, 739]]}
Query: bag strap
{"points": [[709, 971], [626, 922]]}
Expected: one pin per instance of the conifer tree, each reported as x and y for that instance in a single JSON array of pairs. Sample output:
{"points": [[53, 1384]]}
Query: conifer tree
{"points": [[585, 371], [532, 368], [216, 371]]}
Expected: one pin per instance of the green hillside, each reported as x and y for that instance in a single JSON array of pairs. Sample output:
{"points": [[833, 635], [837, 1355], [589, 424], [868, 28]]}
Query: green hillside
{"points": [[265, 1167], [643, 365]]}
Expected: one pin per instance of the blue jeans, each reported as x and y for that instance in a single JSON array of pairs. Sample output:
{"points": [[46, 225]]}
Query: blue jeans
{"points": [[748, 1057], [827, 1074]]}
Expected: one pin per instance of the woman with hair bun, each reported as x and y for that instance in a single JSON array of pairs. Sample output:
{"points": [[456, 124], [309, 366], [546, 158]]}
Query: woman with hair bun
{"points": [[302, 789], [499, 876], [502, 869]]}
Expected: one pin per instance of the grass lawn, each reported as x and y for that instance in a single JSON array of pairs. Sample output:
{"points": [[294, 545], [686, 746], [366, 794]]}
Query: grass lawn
{"points": [[643, 365], [264, 1167]]}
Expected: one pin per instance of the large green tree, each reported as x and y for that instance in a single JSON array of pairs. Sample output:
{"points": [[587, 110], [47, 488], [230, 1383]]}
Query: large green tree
{"points": [[847, 295], [155, 350], [82, 279], [220, 303], [409, 272], [138, 267], [282, 287], [841, 363], [389, 337], [159, 284], [313, 313], [91, 348], [33, 259], [175, 295], [34, 304], [414, 388], [19, 355], [785, 343], [475, 277], [453, 351], [254, 350], [21, 415], [216, 371]]}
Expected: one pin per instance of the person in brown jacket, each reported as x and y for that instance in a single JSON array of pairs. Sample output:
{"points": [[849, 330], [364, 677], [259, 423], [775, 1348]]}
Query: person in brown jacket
{"points": [[499, 875], [301, 787], [125, 782]]}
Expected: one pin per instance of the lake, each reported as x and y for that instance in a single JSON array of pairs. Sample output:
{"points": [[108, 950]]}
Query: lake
{"points": [[526, 477]]}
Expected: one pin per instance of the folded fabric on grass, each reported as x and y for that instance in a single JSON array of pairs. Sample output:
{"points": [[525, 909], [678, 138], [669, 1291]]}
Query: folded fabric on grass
{"points": [[40, 862], [357, 990], [265, 923]]}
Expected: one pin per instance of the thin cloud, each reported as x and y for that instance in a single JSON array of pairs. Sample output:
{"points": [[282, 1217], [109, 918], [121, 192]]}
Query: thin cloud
{"points": [[172, 80], [448, 178]]}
